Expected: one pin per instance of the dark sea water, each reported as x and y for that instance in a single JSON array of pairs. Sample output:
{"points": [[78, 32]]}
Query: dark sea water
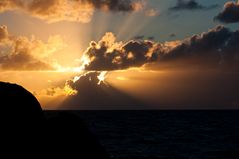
{"points": [[166, 134]]}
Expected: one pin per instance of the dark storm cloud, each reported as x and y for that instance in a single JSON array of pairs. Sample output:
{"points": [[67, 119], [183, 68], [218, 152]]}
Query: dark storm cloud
{"points": [[230, 13], [216, 46], [108, 55], [190, 5], [87, 80], [219, 45]]}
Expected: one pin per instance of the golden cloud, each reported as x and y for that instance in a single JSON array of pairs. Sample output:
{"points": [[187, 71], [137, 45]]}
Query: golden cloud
{"points": [[27, 53], [69, 10]]}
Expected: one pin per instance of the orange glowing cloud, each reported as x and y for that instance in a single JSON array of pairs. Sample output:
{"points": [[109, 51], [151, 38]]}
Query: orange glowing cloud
{"points": [[69, 10], [25, 53]]}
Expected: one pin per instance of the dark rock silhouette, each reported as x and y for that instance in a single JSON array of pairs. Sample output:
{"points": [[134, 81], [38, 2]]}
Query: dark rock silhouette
{"points": [[69, 137], [18, 105], [29, 133]]}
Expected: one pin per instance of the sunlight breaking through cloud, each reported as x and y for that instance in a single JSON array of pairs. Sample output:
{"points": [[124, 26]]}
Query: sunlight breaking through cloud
{"points": [[102, 77]]}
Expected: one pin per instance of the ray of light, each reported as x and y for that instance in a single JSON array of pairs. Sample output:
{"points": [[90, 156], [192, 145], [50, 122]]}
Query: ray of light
{"points": [[135, 84], [137, 31], [102, 77], [132, 26], [126, 26], [100, 24]]}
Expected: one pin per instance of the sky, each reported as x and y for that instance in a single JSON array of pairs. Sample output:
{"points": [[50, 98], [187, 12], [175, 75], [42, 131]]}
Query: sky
{"points": [[122, 54]]}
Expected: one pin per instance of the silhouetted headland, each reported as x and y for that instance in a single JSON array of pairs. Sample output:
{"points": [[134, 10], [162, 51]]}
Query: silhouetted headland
{"points": [[28, 131], [18, 104]]}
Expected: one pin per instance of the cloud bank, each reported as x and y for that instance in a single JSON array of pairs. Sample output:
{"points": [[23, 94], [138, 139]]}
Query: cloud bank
{"points": [[230, 13], [23, 53], [70, 10], [217, 46], [110, 55]]}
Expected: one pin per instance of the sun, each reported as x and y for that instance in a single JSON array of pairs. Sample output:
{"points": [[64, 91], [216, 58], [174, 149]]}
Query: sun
{"points": [[102, 77]]}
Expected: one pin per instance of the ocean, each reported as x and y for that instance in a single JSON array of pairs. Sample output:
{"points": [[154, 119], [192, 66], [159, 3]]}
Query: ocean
{"points": [[166, 134]]}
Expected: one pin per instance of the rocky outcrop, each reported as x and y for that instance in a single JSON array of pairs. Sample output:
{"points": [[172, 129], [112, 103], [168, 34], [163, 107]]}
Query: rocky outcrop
{"points": [[18, 105], [26, 132]]}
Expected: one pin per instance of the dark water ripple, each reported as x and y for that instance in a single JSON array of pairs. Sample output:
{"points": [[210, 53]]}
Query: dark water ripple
{"points": [[166, 134]]}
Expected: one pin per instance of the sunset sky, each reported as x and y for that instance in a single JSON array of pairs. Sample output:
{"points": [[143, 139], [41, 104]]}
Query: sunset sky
{"points": [[123, 54]]}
